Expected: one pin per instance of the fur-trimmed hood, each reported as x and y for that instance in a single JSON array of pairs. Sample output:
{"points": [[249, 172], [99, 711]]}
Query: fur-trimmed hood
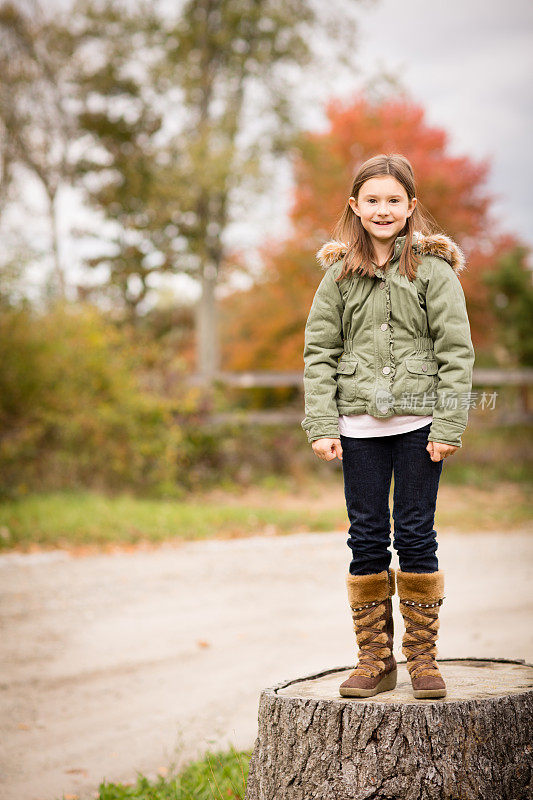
{"points": [[435, 244]]}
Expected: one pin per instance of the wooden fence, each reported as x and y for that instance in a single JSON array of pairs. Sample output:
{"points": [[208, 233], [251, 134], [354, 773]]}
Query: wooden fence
{"points": [[486, 378]]}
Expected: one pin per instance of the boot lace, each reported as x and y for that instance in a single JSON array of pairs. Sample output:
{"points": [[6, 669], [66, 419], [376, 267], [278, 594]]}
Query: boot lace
{"points": [[368, 650], [419, 646]]}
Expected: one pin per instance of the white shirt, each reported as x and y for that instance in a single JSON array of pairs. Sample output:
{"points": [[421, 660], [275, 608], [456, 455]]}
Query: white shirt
{"points": [[364, 425]]}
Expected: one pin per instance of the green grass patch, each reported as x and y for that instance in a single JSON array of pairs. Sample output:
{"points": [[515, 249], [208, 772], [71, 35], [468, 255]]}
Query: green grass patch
{"points": [[217, 776], [65, 519]]}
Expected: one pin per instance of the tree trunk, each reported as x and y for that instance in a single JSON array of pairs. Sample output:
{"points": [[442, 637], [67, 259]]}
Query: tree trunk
{"points": [[207, 327], [54, 227], [474, 744]]}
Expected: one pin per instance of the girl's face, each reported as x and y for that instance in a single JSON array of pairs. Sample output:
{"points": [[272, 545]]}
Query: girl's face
{"points": [[383, 206]]}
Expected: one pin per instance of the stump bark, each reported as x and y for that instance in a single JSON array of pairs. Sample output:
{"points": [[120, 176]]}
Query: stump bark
{"points": [[474, 744]]}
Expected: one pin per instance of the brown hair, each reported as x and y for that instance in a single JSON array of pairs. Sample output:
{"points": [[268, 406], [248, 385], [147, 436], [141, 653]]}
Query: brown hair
{"points": [[349, 228]]}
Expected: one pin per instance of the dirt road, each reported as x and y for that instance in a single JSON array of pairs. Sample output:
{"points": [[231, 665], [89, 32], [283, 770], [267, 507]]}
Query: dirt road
{"points": [[118, 663]]}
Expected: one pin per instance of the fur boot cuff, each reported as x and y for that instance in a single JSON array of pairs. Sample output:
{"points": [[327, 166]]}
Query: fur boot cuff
{"points": [[366, 588], [422, 587]]}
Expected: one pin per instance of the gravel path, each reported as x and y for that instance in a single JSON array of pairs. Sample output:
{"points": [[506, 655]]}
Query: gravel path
{"points": [[134, 661]]}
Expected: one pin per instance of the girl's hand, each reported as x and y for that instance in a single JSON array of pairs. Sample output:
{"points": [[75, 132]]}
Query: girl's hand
{"points": [[326, 449], [438, 451]]}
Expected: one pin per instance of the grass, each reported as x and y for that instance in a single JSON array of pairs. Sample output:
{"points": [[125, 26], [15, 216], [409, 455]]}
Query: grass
{"points": [[68, 519], [85, 520], [217, 776], [485, 486]]}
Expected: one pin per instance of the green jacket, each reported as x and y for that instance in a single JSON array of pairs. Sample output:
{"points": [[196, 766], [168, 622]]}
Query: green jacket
{"points": [[384, 345]]}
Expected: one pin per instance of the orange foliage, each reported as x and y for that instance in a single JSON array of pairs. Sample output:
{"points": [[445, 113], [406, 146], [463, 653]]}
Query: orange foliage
{"points": [[263, 328]]}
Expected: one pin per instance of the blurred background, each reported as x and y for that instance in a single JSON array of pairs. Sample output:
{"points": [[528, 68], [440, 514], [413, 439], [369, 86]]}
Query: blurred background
{"points": [[168, 170]]}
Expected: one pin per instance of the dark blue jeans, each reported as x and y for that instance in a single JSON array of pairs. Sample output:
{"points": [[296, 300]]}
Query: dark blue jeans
{"points": [[368, 465]]}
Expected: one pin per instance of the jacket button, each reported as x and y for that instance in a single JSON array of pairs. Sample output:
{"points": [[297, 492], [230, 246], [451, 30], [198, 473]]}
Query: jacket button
{"points": [[384, 326], [382, 285], [385, 370], [424, 367]]}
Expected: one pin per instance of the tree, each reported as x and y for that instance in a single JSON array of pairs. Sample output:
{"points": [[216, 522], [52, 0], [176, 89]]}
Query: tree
{"points": [[263, 326], [230, 61], [511, 293], [222, 68], [35, 124], [119, 169]]}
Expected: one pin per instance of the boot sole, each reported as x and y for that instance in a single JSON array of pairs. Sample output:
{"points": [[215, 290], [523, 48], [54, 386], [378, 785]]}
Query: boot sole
{"points": [[426, 694], [385, 685]]}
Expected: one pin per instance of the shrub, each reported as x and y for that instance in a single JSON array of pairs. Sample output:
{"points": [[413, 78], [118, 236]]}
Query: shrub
{"points": [[72, 409]]}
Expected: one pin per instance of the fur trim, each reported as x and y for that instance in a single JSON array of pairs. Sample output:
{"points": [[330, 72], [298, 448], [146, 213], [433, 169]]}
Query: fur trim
{"points": [[367, 588], [331, 252], [421, 587], [442, 246], [435, 244]]}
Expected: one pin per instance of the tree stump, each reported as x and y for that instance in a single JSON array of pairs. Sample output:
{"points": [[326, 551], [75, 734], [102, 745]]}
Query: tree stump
{"points": [[474, 744]]}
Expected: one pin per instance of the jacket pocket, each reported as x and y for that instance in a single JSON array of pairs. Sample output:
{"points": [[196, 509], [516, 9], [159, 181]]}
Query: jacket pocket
{"points": [[346, 377], [418, 367], [422, 374]]}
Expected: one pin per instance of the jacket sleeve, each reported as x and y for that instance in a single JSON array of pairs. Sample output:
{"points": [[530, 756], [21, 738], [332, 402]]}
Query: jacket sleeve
{"points": [[450, 330], [323, 345]]}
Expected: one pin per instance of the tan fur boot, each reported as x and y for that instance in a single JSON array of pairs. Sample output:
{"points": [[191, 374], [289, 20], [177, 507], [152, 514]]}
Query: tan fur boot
{"points": [[370, 600], [421, 595]]}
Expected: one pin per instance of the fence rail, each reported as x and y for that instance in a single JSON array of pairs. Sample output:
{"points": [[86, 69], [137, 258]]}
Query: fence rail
{"points": [[251, 380], [482, 377]]}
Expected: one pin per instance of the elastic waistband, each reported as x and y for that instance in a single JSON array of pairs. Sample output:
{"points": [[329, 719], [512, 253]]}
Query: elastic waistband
{"points": [[423, 343]]}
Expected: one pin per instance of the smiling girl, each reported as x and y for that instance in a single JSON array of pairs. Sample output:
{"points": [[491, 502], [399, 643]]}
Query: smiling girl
{"points": [[388, 373]]}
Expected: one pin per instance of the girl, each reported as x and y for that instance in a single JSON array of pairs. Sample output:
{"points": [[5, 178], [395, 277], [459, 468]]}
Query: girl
{"points": [[388, 373]]}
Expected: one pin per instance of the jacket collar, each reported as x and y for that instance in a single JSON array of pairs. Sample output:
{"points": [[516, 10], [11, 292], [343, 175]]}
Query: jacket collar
{"points": [[434, 244]]}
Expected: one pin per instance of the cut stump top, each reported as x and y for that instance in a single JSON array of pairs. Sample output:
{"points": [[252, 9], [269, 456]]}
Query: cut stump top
{"points": [[466, 679]]}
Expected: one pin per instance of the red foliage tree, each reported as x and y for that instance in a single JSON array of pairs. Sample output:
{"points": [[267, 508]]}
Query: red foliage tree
{"points": [[263, 327]]}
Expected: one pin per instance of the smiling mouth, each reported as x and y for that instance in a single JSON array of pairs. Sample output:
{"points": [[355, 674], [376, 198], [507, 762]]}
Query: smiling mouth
{"points": [[383, 223]]}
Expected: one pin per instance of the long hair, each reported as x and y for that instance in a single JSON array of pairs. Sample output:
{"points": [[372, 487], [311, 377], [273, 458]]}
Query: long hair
{"points": [[349, 228]]}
